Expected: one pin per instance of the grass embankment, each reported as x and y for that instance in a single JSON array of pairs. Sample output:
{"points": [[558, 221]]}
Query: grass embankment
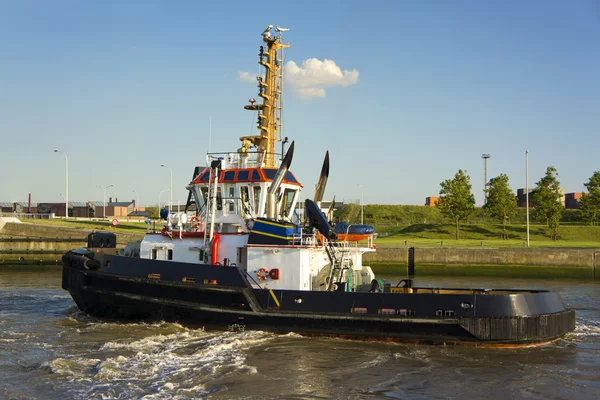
{"points": [[477, 235], [95, 225]]}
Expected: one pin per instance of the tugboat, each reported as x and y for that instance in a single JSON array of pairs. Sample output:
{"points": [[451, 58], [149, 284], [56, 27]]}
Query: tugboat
{"points": [[244, 256]]}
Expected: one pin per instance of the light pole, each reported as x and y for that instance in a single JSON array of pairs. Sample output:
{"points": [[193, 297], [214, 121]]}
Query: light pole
{"points": [[362, 204], [137, 199], [527, 191], [66, 182], [170, 186], [104, 199], [485, 181]]}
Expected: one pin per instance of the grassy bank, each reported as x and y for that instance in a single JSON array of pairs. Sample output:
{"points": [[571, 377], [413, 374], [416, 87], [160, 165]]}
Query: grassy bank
{"points": [[507, 271], [473, 235], [96, 225]]}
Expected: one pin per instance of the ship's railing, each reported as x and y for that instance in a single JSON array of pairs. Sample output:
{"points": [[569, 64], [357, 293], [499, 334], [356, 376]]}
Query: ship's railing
{"points": [[250, 159]]}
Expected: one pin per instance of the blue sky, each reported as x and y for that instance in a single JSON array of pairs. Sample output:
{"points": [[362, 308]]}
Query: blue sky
{"points": [[125, 86]]}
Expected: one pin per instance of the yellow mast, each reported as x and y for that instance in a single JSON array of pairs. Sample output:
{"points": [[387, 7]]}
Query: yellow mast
{"points": [[270, 90]]}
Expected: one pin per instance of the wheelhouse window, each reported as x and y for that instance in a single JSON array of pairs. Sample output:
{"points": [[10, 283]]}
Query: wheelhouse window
{"points": [[256, 193], [204, 191], [231, 196], [255, 175], [228, 176], [244, 197], [219, 199], [243, 175], [269, 173], [290, 177], [169, 254], [288, 200], [205, 176]]}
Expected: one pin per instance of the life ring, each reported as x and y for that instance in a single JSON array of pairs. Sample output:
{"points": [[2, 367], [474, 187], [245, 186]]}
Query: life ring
{"points": [[196, 222], [262, 274]]}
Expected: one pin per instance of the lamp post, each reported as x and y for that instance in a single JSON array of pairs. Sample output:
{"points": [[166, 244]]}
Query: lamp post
{"points": [[362, 204], [170, 186], [66, 182], [137, 200], [527, 191], [104, 199]]}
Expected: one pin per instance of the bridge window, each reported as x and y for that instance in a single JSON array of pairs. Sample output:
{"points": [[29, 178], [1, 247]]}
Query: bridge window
{"points": [[244, 198], [205, 176], [270, 173], [228, 176], [255, 175], [290, 177], [219, 199], [288, 199], [243, 175], [256, 194]]}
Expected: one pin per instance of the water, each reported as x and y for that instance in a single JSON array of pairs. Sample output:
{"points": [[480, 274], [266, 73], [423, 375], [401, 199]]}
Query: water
{"points": [[50, 350]]}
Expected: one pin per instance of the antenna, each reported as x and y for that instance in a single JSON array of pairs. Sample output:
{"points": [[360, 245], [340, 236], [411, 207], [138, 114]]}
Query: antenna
{"points": [[485, 181], [209, 133]]}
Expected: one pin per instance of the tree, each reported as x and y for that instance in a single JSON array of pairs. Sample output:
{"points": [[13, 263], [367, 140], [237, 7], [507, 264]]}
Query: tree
{"points": [[501, 201], [546, 200], [153, 212], [589, 204], [456, 200]]}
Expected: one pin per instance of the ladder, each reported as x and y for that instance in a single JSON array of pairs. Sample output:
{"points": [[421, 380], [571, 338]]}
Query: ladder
{"points": [[340, 262]]}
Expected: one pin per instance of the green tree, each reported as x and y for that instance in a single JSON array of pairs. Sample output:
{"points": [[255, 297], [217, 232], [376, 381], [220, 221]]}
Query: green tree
{"points": [[546, 200], [589, 204], [501, 201], [456, 200], [153, 212]]}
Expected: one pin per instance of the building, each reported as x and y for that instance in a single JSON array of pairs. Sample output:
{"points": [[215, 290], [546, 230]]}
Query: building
{"points": [[521, 197], [572, 199], [431, 201]]}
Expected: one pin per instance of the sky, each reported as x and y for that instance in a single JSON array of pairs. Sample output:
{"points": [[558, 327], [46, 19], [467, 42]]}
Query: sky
{"points": [[403, 94]]}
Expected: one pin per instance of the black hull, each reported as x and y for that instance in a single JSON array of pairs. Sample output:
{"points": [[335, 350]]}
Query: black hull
{"points": [[220, 297]]}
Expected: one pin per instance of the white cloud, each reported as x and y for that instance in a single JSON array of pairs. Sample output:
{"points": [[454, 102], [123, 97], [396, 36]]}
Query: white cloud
{"points": [[310, 79], [246, 77]]}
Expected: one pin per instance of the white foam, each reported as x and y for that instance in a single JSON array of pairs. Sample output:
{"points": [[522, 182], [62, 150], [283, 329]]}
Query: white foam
{"points": [[176, 365]]}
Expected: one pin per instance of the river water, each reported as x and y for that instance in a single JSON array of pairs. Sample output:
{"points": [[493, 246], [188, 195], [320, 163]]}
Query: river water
{"points": [[50, 350]]}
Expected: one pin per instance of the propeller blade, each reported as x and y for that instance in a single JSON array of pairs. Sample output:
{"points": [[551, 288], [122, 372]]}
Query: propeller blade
{"points": [[320, 190], [285, 165], [330, 209]]}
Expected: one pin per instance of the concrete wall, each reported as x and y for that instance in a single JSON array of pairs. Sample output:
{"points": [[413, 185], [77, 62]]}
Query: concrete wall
{"points": [[489, 256]]}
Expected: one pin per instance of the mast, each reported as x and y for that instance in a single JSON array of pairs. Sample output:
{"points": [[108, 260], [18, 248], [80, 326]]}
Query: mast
{"points": [[270, 91]]}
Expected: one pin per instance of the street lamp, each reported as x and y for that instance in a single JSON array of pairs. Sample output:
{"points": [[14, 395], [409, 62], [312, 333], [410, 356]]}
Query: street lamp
{"points": [[362, 204], [527, 191], [170, 186], [104, 199], [66, 182], [137, 200]]}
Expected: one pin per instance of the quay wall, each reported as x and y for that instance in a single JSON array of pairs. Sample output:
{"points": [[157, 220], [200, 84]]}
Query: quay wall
{"points": [[31, 243], [488, 256], [532, 262]]}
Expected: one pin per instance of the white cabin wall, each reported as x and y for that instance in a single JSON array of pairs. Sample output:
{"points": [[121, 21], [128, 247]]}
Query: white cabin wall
{"points": [[293, 264]]}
